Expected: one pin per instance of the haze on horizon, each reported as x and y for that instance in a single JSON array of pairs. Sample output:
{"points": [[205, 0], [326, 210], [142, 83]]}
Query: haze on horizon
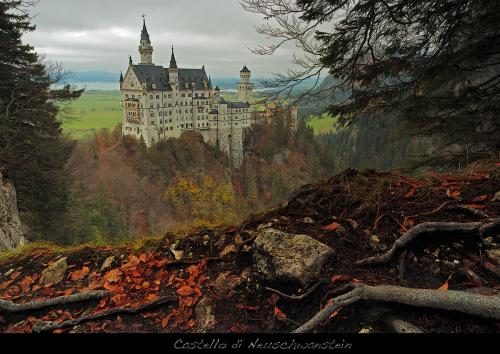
{"points": [[100, 35]]}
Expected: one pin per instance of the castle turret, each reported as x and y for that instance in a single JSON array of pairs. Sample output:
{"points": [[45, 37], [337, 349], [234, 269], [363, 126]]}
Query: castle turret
{"points": [[245, 87], [121, 80], [173, 71], [146, 49]]}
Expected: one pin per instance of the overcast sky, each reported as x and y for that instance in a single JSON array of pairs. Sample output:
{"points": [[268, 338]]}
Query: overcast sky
{"points": [[98, 35]]}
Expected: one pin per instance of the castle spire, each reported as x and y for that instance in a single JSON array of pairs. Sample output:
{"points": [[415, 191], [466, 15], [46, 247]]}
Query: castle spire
{"points": [[144, 33], [173, 62], [121, 76]]}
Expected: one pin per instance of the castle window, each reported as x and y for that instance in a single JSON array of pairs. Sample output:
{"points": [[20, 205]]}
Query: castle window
{"points": [[157, 96]]}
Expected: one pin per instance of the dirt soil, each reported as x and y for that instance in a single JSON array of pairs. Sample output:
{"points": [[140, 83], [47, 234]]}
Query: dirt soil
{"points": [[358, 214]]}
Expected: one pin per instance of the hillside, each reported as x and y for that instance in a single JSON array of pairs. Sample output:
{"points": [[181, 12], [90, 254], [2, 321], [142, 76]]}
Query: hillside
{"points": [[242, 279]]}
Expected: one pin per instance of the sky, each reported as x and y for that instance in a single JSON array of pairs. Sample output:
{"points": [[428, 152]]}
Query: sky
{"points": [[99, 35]]}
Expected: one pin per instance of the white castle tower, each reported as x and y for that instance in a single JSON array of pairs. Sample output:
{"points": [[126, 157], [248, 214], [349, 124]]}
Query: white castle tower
{"points": [[146, 49], [245, 87]]}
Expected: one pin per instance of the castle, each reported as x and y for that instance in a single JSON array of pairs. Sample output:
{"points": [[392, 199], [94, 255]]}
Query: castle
{"points": [[161, 103]]}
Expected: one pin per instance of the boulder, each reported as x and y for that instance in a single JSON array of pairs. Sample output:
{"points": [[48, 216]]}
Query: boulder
{"points": [[11, 235], [282, 256], [205, 318], [54, 273]]}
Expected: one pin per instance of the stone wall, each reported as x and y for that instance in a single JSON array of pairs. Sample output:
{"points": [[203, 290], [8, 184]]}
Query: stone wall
{"points": [[230, 142], [10, 225]]}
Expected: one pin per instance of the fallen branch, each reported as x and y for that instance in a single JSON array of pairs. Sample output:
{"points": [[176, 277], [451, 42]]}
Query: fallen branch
{"points": [[10, 306], [299, 297], [470, 210], [478, 229], [51, 326], [487, 307]]}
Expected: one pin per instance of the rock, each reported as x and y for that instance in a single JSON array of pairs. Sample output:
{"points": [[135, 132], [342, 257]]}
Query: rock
{"points": [[9, 273], [107, 263], [488, 242], [264, 226], [494, 255], [309, 221], [366, 330], [287, 257], [226, 283], [177, 254], [353, 223], [11, 231], [54, 273], [496, 198], [228, 250], [205, 318]]}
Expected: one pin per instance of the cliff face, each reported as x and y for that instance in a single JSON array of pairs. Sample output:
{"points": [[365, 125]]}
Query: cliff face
{"points": [[10, 224]]}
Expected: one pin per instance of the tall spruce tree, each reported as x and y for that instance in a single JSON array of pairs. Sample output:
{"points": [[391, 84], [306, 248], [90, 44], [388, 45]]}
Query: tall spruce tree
{"points": [[33, 151], [432, 65]]}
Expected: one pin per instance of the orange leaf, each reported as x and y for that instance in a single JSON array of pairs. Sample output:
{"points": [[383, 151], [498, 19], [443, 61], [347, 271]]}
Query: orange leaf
{"points": [[481, 198], [445, 286], [246, 307], [15, 275], [342, 277], [152, 297], [453, 194], [334, 314], [79, 274], [279, 314], [331, 227], [185, 291], [475, 206], [113, 276], [410, 193], [143, 258]]}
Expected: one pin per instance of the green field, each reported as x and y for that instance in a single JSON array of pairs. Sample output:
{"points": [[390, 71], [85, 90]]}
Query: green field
{"points": [[93, 111], [323, 124]]}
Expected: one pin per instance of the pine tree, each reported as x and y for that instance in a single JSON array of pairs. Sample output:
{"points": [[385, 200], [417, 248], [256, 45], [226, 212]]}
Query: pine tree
{"points": [[33, 151]]}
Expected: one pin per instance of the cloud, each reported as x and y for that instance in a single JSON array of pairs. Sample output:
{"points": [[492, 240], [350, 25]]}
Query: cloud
{"points": [[100, 34]]}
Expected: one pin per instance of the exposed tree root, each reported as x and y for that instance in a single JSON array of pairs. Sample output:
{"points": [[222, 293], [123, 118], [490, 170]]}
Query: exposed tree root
{"points": [[51, 326], [10, 306], [391, 322], [487, 307], [303, 296], [471, 229]]}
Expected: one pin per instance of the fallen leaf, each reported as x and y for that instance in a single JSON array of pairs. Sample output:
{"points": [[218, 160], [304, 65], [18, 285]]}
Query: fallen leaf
{"points": [[185, 291], [273, 299], [410, 193], [481, 198], [339, 278], [79, 274], [113, 276], [15, 275], [475, 206], [279, 314], [331, 227], [445, 286], [246, 307], [453, 194], [152, 297]]}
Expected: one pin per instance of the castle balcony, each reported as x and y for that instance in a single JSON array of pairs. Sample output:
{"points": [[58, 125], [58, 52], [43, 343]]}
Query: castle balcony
{"points": [[133, 120]]}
